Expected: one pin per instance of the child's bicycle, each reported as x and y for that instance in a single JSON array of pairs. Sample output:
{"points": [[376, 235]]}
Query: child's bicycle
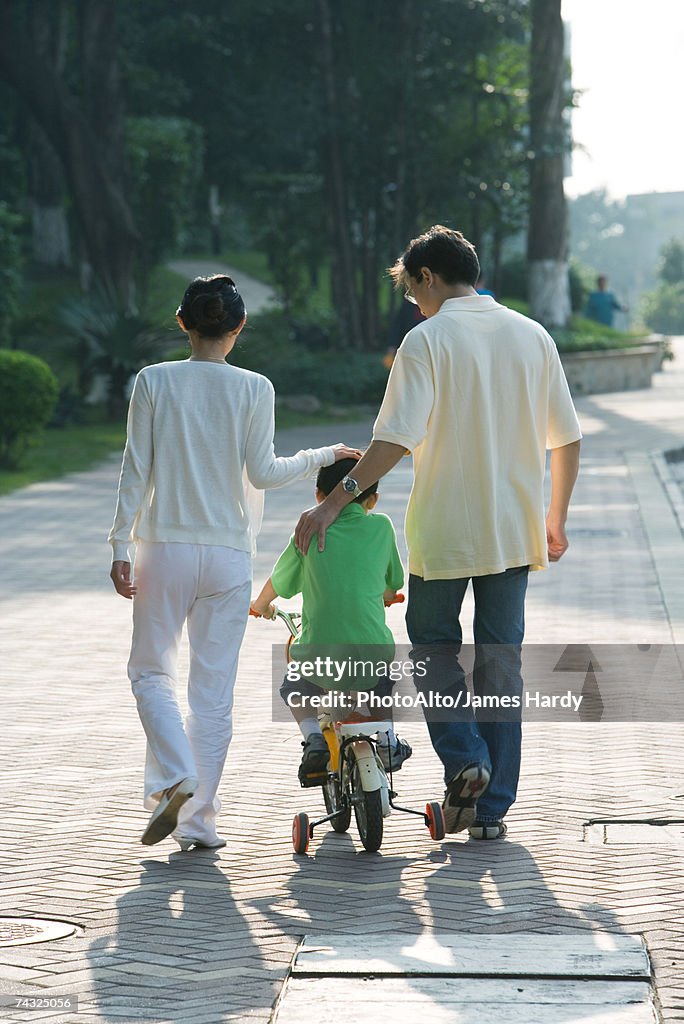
{"points": [[355, 777]]}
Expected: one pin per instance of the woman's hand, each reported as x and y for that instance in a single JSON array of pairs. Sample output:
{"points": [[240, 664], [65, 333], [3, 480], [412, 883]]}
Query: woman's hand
{"points": [[342, 451], [121, 578]]}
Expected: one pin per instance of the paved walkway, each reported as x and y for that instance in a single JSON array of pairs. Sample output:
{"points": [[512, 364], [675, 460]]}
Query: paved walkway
{"points": [[210, 937], [257, 295]]}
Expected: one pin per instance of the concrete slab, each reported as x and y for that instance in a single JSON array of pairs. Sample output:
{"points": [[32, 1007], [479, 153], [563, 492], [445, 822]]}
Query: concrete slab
{"points": [[451, 1001], [596, 954]]}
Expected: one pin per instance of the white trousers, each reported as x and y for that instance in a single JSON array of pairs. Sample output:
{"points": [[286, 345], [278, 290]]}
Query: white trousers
{"points": [[209, 587]]}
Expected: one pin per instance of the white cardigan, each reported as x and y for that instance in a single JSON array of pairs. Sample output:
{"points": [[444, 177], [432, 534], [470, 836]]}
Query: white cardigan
{"points": [[198, 456]]}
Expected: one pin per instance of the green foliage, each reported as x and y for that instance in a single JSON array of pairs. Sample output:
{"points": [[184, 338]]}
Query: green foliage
{"points": [[11, 266], [582, 335], [71, 450], [663, 309], [267, 346], [428, 123], [165, 166], [581, 284], [514, 278], [589, 336], [110, 339], [28, 394], [671, 269]]}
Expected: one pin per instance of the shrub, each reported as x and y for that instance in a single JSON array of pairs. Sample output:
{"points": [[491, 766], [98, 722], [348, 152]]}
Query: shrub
{"points": [[112, 340], [663, 309], [333, 375], [28, 395]]}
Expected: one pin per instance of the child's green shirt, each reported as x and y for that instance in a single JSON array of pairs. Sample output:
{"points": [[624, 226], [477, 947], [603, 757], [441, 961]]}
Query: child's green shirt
{"points": [[342, 587]]}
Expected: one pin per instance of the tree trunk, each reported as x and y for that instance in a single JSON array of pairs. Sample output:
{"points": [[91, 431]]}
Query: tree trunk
{"points": [[369, 270], [547, 249], [399, 229], [215, 211], [86, 134], [345, 291], [51, 244]]}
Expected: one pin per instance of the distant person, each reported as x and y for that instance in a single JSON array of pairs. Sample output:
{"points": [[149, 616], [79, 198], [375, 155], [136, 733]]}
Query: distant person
{"points": [[406, 318], [481, 287], [602, 304], [199, 454]]}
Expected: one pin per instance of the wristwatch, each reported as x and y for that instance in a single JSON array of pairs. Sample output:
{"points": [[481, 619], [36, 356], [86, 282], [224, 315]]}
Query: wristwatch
{"points": [[351, 487]]}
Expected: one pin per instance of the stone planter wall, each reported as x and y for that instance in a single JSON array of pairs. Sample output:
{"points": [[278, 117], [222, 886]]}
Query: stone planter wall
{"points": [[617, 369]]}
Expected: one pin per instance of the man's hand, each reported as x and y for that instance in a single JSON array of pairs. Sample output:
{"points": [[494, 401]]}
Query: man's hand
{"points": [[121, 578], [343, 452], [556, 539], [314, 521]]}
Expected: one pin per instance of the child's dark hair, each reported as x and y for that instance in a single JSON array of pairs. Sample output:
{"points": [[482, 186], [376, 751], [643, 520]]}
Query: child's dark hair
{"points": [[212, 306], [329, 477]]}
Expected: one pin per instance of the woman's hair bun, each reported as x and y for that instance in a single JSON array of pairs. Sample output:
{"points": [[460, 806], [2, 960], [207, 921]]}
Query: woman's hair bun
{"points": [[208, 308], [212, 306]]}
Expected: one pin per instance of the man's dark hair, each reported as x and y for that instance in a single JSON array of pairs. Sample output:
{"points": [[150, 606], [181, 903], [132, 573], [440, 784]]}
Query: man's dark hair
{"points": [[329, 477], [444, 251]]}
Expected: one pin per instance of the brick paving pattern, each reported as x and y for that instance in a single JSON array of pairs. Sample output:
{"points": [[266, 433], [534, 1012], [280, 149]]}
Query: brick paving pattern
{"points": [[209, 937]]}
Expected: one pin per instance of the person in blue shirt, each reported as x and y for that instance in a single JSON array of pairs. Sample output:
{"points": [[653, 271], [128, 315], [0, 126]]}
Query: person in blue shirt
{"points": [[602, 304]]}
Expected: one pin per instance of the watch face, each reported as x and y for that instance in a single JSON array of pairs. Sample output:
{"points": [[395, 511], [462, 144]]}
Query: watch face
{"points": [[349, 484]]}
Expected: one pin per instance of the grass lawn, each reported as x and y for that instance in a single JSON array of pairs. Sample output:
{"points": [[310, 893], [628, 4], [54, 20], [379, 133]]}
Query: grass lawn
{"points": [[64, 451]]}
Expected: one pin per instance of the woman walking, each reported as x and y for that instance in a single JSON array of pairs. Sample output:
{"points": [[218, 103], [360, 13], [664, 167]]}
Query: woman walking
{"points": [[199, 453]]}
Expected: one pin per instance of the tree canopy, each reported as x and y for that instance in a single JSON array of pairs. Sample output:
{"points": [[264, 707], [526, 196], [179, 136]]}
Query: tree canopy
{"points": [[326, 134]]}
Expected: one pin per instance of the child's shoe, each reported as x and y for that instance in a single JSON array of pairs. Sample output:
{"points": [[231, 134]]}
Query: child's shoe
{"points": [[313, 769], [392, 754]]}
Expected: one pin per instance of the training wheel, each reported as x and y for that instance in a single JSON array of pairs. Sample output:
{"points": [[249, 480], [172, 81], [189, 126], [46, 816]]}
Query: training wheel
{"points": [[300, 832], [434, 819]]}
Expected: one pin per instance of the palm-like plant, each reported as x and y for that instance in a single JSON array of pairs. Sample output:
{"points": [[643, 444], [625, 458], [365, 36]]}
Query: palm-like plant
{"points": [[111, 339]]}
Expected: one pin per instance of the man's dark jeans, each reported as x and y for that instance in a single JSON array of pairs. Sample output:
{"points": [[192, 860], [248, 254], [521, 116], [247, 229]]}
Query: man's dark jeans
{"points": [[463, 736]]}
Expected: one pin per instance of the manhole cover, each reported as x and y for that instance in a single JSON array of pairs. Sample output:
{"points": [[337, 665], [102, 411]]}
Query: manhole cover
{"points": [[20, 931]]}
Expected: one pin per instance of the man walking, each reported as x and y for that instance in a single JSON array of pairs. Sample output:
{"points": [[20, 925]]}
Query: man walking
{"points": [[477, 393]]}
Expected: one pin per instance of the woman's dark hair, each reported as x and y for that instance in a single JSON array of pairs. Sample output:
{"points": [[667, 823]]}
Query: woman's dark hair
{"points": [[446, 252], [329, 477], [212, 306]]}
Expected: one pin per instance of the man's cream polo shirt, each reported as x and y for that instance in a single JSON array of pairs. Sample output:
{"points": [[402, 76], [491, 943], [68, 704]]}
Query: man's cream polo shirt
{"points": [[477, 393]]}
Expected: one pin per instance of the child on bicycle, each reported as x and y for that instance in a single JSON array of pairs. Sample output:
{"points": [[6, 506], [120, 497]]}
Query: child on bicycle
{"points": [[343, 592]]}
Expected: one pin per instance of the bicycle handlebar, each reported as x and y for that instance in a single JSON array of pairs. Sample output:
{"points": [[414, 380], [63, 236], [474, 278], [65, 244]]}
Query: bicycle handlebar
{"points": [[397, 599]]}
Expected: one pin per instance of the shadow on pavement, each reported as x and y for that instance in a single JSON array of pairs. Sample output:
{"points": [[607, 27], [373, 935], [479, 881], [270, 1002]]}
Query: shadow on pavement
{"points": [[179, 947]]}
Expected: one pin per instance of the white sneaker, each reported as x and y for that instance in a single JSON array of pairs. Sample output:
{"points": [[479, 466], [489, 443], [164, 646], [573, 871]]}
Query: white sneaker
{"points": [[164, 818], [392, 759]]}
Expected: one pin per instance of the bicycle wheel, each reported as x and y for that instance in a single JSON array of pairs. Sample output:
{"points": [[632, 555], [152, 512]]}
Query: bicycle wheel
{"points": [[368, 813], [333, 796]]}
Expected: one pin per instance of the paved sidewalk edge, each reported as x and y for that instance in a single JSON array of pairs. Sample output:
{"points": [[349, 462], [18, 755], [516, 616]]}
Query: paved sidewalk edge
{"points": [[664, 536], [671, 485]]}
